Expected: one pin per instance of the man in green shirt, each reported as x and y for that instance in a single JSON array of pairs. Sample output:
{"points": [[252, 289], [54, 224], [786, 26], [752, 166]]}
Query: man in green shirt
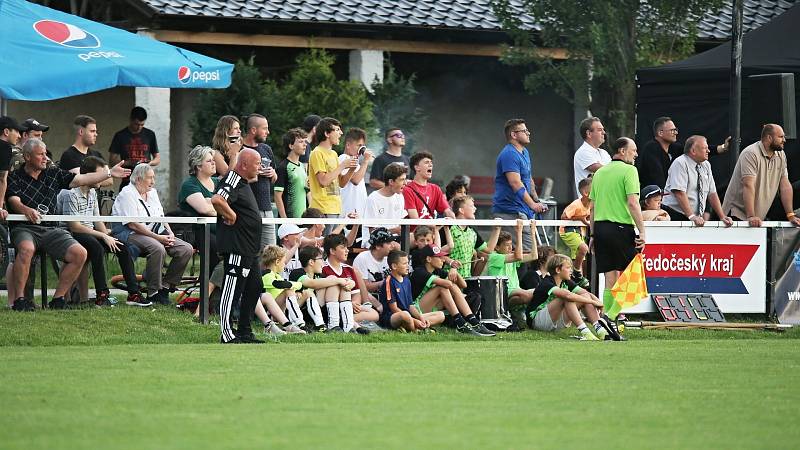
{"points": [[290, 189], [615, 211]]}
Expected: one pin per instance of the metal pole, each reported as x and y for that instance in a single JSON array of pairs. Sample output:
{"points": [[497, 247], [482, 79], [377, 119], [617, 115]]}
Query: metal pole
{"points": [[736, 81], [205, 244]]}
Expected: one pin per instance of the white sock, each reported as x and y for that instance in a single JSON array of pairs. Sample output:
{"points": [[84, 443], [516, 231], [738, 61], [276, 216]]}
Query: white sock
{"points": [[293, 310], [312, 306], [597, 326], [333, 314], [583, 328], [348, 319]]}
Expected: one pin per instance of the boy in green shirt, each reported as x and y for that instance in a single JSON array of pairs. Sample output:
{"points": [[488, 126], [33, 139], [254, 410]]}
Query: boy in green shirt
{"points": [[504, 263]]}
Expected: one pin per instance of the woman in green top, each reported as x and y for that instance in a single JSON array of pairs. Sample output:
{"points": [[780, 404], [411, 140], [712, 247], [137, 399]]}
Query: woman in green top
{"points": [[196, 191]]}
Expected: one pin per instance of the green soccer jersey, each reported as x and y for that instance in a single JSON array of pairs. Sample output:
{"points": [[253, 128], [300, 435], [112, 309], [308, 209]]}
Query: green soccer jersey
{"points": [[611, 185], [292, 180], [498, 267], [465, 240]]}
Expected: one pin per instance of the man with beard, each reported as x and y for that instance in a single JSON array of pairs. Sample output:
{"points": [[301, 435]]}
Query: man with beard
{"points": [[759, 174], [255, 135]]}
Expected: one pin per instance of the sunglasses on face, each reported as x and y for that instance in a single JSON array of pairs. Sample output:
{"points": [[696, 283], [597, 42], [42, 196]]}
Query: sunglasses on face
{"points": [[397, 135]]}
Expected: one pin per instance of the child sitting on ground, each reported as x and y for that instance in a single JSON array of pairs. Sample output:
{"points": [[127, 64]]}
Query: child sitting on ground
{"points": [[650, 200], [557, 303], [281, 291], [504, 263], [433, 291], [575, 237], [350, 307], [399, 311], [318, 290]]}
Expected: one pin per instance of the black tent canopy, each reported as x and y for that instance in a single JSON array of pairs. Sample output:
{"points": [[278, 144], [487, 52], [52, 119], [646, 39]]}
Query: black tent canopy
{"points": [[695, 92]]}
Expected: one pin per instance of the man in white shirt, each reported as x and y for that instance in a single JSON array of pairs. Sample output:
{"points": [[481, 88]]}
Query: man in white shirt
{"points": [[387, 202], [589, 157]]}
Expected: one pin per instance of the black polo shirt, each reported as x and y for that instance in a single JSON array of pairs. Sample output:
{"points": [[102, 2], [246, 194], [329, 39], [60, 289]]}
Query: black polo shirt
{"points": [[5, 155], [39, 191], [244, 236]]}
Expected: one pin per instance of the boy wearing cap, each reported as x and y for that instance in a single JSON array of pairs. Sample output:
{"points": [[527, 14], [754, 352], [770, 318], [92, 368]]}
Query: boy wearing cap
{"points": [[650, 199], [289, 236], [372, 264], [433, 291]]}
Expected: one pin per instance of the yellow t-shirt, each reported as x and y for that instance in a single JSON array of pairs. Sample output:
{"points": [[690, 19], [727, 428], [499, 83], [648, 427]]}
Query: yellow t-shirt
{"points": [[324, 198]]}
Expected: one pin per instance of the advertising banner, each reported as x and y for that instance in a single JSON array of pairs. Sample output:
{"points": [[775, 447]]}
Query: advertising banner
{"points": [[785, 275], [730, 264]]}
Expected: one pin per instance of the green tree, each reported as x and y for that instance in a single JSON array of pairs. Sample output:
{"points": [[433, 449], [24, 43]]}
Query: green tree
{"points": [[395, 101], [606, 41]]}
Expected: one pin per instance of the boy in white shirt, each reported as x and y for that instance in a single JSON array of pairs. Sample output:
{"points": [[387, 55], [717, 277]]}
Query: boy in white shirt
{"points": [[387, 202], [354, 190], [372, 264]]}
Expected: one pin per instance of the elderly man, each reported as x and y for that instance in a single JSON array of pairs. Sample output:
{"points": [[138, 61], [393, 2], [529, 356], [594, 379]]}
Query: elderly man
{"points": [[759, 174], [155, 240], [691, 184], [589, 157], [615, 212], [238, 237], [32, 191], [514, 192]]}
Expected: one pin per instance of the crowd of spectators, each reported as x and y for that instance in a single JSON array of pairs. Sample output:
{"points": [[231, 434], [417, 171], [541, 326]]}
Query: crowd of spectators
{"points": [[615, 191]]}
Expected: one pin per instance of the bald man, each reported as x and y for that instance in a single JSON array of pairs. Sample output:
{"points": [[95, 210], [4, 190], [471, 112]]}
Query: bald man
{"points": [[759, 174], [238, 240]]}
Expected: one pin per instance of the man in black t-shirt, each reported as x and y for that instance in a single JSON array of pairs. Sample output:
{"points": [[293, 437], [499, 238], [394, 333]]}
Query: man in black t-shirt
{"points": [[395, 141], [85, 137], [254, 137], [238, 240], [134, 144]]}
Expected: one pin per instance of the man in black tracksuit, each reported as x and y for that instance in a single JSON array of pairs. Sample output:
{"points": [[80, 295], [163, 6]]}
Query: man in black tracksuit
{"points": [[238, 238]]}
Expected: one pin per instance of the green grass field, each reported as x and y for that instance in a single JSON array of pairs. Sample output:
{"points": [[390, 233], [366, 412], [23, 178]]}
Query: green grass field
{"points": [[132, 378]]}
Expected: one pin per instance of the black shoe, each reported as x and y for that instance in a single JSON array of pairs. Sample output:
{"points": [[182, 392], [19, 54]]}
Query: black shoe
{"points": [[482, 330], [232, 341], [249, 339], [163, 297], [468, 329], [57, 303], [335, 330], [22, 304], [360, 330], [611, 327]]}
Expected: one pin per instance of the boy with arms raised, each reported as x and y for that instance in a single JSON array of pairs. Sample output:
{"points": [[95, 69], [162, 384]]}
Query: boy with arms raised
{"points": [[503, 263], [557, 303], [399, 311], [432, 290]]}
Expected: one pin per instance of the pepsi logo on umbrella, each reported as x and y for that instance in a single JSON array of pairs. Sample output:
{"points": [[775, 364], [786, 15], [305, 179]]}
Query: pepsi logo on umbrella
{"points": [[66, 34]]}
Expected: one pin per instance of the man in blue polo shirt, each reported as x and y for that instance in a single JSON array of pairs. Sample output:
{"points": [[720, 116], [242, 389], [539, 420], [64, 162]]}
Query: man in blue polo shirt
{"points": [[514, 194]]}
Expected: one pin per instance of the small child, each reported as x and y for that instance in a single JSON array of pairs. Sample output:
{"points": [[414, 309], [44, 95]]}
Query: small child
{"points": [[650, 200], [504, 263], [318, 291], [399, 311], [281, 291], [557, 303], [575, 237]]}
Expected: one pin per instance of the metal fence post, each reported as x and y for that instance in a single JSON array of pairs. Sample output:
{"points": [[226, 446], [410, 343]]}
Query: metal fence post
{"points": [[205, 243]]}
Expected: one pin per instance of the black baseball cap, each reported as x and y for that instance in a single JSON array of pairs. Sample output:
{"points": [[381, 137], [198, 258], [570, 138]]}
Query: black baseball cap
{"points": [[11, 124], [431, 250], [651, 190], [381, 236], [34, 125]]}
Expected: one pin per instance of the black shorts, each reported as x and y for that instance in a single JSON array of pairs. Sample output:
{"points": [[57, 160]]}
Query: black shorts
{"points": [[614, 246]]}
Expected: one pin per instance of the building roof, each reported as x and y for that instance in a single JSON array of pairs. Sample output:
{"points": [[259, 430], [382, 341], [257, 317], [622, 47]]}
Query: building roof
{"points": [[434, 14]]}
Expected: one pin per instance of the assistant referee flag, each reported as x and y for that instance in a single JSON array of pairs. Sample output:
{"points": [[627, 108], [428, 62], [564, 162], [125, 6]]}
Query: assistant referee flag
{"points": [[630, 288]]}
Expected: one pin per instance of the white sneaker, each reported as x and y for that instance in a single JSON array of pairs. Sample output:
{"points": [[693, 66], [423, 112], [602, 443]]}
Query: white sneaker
{"points": [[274, 329], [588, 336], [294, 329]]}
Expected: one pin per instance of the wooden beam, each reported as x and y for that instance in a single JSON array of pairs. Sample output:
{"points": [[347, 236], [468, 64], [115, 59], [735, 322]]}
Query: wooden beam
{"points": [[340, 43]]}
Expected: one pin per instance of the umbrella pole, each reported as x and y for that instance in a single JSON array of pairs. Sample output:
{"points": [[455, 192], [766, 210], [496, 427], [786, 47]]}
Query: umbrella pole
{"points": [[3, 107]]}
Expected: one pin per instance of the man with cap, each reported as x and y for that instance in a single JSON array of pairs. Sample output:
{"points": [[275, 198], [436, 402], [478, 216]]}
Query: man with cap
{"points": [[289, 236], [691, 184], [9, 137], [372, 264], [34, 129]]}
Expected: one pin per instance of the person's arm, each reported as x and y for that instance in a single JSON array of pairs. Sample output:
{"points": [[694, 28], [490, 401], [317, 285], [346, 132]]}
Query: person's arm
{"points": [[326, 178], [683, 203], [519, 190], [534, 254], [322, 283], [492, 242], [17, 206], [749, 197], [376, 175], [716, 206], [156, 160], [201, 205], [219, 162], [787, 200], [114, 158], [279, 204], [365, 295], [576, 298], [3, 184], [358, 176], [636, 213], [593, 167], [223, 209], [84, 179], [441, 282]]}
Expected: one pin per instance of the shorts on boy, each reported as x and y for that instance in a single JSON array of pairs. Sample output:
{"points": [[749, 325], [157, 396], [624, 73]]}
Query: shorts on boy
{"points": [[543, 322], [573, 240]]}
